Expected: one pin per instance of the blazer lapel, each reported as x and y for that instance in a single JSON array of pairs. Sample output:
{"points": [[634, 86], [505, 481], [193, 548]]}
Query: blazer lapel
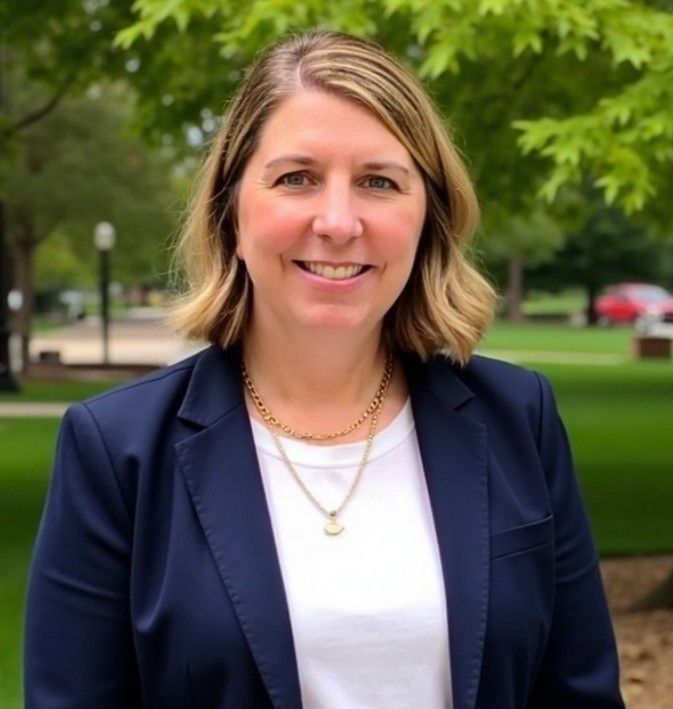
{"points": [[222, 475], [453, 450]]}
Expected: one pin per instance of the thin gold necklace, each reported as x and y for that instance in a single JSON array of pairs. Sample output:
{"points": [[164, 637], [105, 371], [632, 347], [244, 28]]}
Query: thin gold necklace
{"points": [[333, 527], [273, 422]]}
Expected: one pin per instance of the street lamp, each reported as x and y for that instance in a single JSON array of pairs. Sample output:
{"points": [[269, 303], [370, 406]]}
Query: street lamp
{"points": [[104, 239]]}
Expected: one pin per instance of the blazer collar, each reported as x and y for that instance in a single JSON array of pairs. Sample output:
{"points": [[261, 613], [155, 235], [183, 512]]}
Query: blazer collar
{"points": [[215, 385], [214, 388], [438, 377], [221, 471]]}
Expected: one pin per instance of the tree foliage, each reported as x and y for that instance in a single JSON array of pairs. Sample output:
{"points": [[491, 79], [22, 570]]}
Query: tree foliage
{"points": [[62, 164], [80, 166], [580, 88], [58, 48]]}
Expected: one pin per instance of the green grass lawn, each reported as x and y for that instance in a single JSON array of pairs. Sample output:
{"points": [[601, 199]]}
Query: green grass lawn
{"points": [[58, 390], [568, 303], [558, 338], [27, 449], [620, 422]]}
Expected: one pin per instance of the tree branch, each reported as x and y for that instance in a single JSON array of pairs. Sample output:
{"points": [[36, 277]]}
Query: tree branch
{"points": [[46, 109]]}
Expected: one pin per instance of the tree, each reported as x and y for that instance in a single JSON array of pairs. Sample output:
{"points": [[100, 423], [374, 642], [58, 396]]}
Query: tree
{"points": [[609, 247], [56, 48], [514, 244], [51, 54], [76, 168]]}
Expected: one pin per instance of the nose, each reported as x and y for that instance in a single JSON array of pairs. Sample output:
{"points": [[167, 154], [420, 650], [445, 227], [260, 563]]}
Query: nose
{"points": [[337, 217]]}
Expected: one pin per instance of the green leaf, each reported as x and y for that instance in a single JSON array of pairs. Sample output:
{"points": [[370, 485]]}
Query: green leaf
{"points": [[492, 7], [527, 39]]}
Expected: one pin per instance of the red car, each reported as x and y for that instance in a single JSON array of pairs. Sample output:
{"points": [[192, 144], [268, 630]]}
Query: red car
{"points": [[627, 302]]}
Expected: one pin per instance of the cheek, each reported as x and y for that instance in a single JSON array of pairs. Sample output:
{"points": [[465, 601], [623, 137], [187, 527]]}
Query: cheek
{"points": [[400, 232], [266, 227]]}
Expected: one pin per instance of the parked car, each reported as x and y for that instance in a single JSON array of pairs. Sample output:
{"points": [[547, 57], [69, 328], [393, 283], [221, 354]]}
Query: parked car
{"points": [[632, 302]]}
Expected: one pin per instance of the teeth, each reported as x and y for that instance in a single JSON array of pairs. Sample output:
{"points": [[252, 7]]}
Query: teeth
{"points": [[336, 274]]}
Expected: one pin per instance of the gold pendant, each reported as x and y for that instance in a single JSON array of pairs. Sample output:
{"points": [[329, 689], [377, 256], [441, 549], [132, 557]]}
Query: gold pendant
{"points": [[332, 528]]}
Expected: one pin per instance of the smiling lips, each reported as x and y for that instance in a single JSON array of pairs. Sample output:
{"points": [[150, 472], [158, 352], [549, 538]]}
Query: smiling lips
{"points": [[333, 273]]}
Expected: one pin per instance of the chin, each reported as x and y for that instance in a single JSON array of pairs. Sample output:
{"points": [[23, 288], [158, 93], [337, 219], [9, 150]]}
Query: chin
{"points": [[335, 320]]}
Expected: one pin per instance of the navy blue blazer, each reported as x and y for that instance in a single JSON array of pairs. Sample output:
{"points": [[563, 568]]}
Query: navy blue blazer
{"points": [[155, 580]]}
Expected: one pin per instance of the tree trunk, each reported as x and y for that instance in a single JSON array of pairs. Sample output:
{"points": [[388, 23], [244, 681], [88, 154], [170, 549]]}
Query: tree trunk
{"points": [[660, 597], [7, 380], [592, 294], [514, 290], [24, 252]]}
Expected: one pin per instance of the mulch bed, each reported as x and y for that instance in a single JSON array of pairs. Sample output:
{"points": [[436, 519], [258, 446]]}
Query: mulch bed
{"points": [[645, 639]]}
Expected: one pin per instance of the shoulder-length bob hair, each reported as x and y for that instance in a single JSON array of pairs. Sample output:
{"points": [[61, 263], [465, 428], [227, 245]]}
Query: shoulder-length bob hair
{"points": [[446, 304]]}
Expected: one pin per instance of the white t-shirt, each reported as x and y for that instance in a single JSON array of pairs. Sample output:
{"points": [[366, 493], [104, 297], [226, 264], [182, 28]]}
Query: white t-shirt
{"points": [[368, 606]]}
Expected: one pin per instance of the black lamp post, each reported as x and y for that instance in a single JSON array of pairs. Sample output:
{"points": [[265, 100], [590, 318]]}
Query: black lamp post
{"points": [[104, 239]]}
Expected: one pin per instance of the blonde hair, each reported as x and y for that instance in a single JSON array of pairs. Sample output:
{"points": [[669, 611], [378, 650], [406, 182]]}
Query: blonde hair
{"points": [[446, 304]]}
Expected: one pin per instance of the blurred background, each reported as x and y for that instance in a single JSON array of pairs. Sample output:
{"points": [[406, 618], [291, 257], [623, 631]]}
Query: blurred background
{"points": [[564, 113]]}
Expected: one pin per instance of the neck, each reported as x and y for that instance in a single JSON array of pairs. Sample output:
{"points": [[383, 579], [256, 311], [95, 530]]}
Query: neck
{"points": [[321, 384], [316, 371]]}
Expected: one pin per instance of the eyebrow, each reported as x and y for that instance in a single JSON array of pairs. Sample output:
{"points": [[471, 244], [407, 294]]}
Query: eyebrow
{"points": [[386, 166], [299, 159], [309, 161]]}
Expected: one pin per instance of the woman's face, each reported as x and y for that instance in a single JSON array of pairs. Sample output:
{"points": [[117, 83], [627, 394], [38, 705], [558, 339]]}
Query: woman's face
{"points": [[330, 212]]}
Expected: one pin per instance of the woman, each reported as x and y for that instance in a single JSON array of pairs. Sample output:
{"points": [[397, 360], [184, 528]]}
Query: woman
{"points": [[336, 504]]}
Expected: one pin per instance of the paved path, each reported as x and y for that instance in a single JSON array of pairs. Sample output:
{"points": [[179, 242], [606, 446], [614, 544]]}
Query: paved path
{"points": [[526, 356], [142, 338], [25, 409]]}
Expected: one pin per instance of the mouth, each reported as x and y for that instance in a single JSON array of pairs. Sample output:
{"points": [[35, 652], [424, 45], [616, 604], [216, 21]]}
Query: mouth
{"points": [[333, 272]]}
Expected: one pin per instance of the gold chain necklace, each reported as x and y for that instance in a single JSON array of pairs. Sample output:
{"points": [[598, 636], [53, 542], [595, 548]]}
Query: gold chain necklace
{"points": [[273, 422], [333, 526]]}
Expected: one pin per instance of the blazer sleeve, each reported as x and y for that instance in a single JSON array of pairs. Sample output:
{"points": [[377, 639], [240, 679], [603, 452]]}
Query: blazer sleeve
{"points": [[580, 666], [78, 641]]}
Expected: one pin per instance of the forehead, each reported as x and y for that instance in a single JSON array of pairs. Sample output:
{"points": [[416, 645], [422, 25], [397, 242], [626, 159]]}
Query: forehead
{"points": [[316, 121]]}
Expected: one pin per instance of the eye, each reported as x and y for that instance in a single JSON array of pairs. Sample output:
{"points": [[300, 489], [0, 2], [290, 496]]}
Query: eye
{"points": [[379, 182], [293, 179]]}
